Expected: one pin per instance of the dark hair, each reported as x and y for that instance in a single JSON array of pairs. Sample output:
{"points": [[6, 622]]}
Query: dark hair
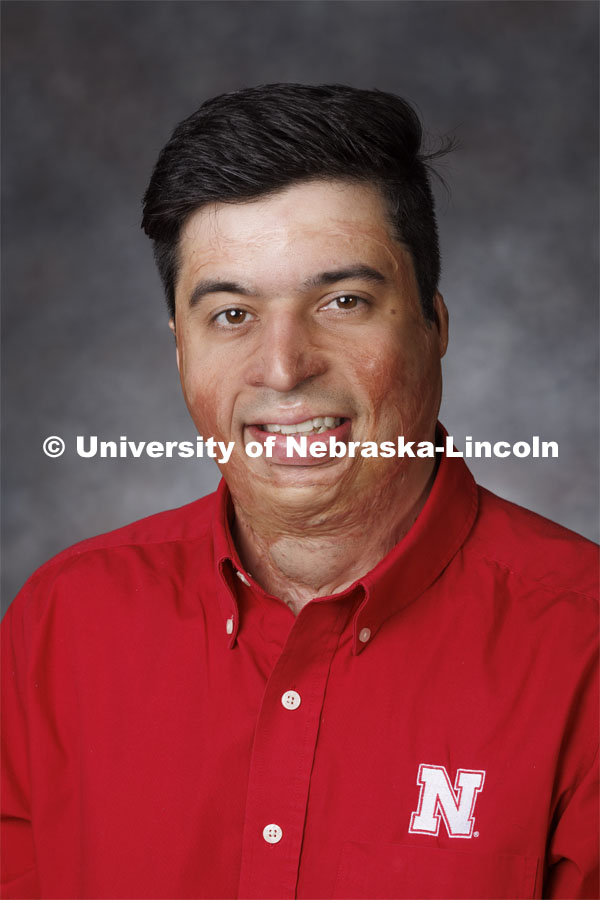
{"points": [[256, 141]]}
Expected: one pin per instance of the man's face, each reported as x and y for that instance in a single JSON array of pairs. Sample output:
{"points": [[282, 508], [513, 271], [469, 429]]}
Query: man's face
{"points": [[302, 306]]}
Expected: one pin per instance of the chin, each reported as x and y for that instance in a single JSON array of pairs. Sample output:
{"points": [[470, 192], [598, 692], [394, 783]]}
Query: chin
{"points": [[317, 473], [298, 487]]}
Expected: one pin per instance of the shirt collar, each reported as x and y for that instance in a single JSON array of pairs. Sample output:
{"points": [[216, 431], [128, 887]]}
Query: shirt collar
{"points": [[398, 579]]}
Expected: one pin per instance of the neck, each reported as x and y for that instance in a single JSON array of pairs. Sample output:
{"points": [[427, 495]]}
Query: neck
{"points": [[299, 559]]}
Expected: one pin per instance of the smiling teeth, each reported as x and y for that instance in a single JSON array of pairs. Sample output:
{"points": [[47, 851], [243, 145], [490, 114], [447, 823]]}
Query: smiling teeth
{"points": [[317, 425]]}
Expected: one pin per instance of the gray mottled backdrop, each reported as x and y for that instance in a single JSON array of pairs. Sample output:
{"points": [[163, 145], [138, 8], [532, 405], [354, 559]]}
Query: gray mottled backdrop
{"points": [[91, 91]]}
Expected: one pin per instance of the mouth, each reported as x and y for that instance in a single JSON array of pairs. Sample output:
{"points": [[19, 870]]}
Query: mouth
{"points": [[317, 425], [316, 428]]}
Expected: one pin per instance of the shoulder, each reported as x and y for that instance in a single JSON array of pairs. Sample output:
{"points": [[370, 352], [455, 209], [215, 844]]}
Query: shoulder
{"points": [[534, 549], [190, 522], [137, 552], [530, 587]]}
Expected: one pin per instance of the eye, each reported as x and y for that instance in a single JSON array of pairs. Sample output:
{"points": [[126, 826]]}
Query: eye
{"points": [[346, 302], [231, 316]]}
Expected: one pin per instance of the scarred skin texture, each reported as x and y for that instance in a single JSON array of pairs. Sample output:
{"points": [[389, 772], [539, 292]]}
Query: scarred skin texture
{"points": [[294, 350]]}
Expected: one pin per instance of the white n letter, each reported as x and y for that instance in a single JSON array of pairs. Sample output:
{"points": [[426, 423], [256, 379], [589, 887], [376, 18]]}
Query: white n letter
{"points": [[438, 798]]}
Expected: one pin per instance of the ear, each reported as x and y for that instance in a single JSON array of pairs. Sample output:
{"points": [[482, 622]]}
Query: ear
{"points": [[441, 321], [172, 327]]}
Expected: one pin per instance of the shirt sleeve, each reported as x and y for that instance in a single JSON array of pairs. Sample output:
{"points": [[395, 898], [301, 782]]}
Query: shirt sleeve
{"points": [[573, 852], [19, 878]]}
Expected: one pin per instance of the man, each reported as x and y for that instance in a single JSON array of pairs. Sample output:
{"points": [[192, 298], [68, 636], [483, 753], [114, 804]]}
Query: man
{"points": [[343, 675]]}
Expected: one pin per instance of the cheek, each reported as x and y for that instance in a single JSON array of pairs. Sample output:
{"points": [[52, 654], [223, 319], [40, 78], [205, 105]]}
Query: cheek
{"points": [[399, 385], [206, 396], [385, 370], [376, 375]]}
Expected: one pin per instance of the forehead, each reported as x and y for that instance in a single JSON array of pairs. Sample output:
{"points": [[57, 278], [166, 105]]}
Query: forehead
{"points": [[284, 235]]}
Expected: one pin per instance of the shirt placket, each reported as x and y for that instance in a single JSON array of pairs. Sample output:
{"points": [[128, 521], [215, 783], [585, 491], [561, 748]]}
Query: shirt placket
{"points": [[283, 754]]}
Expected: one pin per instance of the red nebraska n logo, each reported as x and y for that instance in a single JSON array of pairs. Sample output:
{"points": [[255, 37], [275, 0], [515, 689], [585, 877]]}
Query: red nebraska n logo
{"points": [[439, 799]]}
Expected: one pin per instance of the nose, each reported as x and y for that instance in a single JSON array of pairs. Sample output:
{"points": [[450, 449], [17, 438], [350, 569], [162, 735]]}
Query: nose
{"points": [[286, 354]]}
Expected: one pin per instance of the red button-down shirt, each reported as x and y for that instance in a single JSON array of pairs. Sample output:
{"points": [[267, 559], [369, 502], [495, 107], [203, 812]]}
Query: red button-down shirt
{"points": [[173, 731]]}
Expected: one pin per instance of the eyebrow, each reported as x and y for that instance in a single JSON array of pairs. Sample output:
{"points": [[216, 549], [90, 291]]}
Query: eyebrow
{"points": [[360, 271], [216, 287]]}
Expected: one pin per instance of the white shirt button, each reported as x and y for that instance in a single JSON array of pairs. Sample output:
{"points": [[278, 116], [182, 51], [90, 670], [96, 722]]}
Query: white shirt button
{"points": [[242, 578], [272, 834], [229, 626], [364, 635], [291, 700]]}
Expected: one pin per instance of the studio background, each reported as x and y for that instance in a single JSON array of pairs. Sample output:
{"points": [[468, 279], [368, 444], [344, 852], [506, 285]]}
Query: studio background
{"points": [[91, 92]]}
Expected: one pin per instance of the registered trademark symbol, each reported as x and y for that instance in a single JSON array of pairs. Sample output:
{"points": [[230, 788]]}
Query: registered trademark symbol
{"points": [[476, 834]]}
